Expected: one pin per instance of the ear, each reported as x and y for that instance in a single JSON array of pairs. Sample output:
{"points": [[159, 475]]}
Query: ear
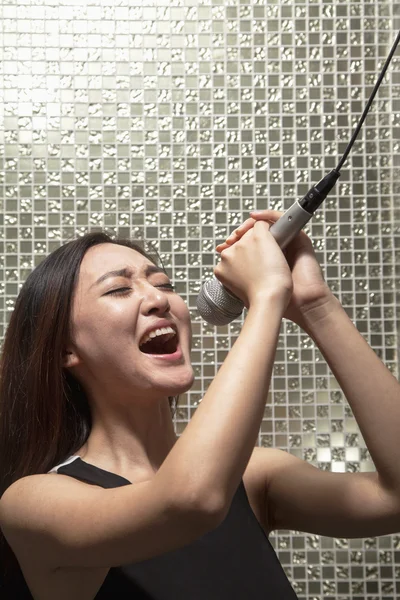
{"points": [[70, 359]]}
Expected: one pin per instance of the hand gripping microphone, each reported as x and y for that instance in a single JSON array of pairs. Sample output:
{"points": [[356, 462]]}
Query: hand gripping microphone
{"points": [[219, 306]]}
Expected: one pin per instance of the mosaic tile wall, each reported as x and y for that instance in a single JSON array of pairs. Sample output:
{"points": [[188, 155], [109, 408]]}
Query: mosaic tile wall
{"points": [[168, 120]]}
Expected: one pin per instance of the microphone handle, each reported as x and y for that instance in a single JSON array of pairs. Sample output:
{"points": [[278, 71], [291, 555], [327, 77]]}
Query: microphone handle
{"points": [[289, 224]]}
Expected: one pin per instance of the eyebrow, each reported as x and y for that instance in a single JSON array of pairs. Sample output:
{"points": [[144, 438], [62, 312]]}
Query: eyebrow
{"points": [[125, 272]]}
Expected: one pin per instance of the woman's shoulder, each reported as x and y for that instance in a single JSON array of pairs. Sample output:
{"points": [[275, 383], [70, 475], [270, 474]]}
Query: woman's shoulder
{"points": [[20, 497]]}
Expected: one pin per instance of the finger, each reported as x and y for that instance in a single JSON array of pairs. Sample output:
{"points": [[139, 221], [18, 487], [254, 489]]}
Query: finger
{"points": [[267, 214], [239, 231], [229, 242], [236, 234], [249, 223]]}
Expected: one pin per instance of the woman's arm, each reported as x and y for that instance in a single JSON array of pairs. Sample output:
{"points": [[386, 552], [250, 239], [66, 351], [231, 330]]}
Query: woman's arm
{"points": [[303, 498], [371, 390], [297, 495], [212, 453], [217, 443]]}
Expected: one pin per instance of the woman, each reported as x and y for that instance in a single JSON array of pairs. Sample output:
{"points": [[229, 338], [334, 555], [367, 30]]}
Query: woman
{"points": [[86, 394]]}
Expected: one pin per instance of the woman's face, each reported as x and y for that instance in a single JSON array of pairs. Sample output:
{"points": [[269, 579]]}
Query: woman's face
{"points": [[107, 328]]}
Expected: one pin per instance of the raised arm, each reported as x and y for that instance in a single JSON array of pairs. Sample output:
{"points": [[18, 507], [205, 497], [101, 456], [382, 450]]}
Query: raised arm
{"points": [[371, 390], [216, 445], [303, 498], [299, 496]]}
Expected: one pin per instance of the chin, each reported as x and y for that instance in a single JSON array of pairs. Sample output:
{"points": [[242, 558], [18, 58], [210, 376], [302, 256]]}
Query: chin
{"points": [[185, 383]]}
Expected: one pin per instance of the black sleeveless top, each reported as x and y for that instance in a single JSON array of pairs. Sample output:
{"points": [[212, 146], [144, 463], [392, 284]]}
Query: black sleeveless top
{"points": [[234, 561]]}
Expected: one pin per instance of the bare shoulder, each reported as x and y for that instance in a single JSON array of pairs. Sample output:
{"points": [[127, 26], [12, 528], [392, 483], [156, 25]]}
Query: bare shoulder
{"points": [[33, 504], [17, 517], [32, 484], [19, 499], [21, 489]]}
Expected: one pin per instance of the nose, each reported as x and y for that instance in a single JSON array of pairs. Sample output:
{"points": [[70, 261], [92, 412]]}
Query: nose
{"points": [[154, 299]]}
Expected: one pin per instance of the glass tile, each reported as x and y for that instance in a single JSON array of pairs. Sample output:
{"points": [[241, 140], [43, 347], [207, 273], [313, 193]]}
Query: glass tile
{"points": [[168, 121]]}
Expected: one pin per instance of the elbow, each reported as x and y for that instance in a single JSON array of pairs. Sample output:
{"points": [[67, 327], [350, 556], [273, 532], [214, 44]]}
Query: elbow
{"points": [[207, 507], [213, 509]]}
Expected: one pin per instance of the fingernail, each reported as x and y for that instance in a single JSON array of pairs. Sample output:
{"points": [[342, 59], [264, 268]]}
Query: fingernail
{"points": [[256, 212]]}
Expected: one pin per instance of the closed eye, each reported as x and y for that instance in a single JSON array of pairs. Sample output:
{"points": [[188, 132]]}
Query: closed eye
{"points": [[126, 290]]}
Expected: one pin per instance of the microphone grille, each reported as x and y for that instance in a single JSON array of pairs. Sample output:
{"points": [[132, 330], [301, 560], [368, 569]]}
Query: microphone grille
{"points": [[216, 305]]}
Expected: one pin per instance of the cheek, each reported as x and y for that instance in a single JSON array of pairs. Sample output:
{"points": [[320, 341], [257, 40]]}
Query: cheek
{"points": [[182, 313], [190, 335], [97, 336]]}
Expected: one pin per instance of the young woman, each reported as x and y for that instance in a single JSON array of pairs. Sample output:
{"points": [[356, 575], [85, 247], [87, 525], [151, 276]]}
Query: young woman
{"points": [[101, 499]]}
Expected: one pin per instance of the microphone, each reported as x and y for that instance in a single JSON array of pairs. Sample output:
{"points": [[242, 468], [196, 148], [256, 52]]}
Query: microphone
{"points": [[219, 306]]}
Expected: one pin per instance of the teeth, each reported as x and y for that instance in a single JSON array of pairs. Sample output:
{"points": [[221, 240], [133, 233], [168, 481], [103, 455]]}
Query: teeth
{"points": [[157, 332]]}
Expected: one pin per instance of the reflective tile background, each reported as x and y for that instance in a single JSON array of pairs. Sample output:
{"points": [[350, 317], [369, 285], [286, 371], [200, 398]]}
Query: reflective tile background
{"points": [[168, 120]]}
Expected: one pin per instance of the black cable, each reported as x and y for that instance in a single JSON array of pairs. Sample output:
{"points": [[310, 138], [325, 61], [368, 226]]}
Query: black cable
{"points": [[317, 194], [366, 109]]}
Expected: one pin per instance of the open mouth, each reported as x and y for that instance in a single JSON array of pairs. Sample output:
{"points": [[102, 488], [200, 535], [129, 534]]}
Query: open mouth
{"points": [[162, 344]]}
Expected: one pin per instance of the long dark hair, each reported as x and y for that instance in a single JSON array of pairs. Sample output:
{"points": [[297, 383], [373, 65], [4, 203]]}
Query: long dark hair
{"points": [[44, 412]]}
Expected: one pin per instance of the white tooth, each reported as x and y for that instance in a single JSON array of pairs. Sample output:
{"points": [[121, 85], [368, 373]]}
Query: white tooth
{"points": [[169, 330], [156, 332]]}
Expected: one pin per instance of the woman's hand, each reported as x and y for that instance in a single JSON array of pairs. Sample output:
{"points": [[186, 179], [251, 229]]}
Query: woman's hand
{"points": [[309, 287], [255, 268]]}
